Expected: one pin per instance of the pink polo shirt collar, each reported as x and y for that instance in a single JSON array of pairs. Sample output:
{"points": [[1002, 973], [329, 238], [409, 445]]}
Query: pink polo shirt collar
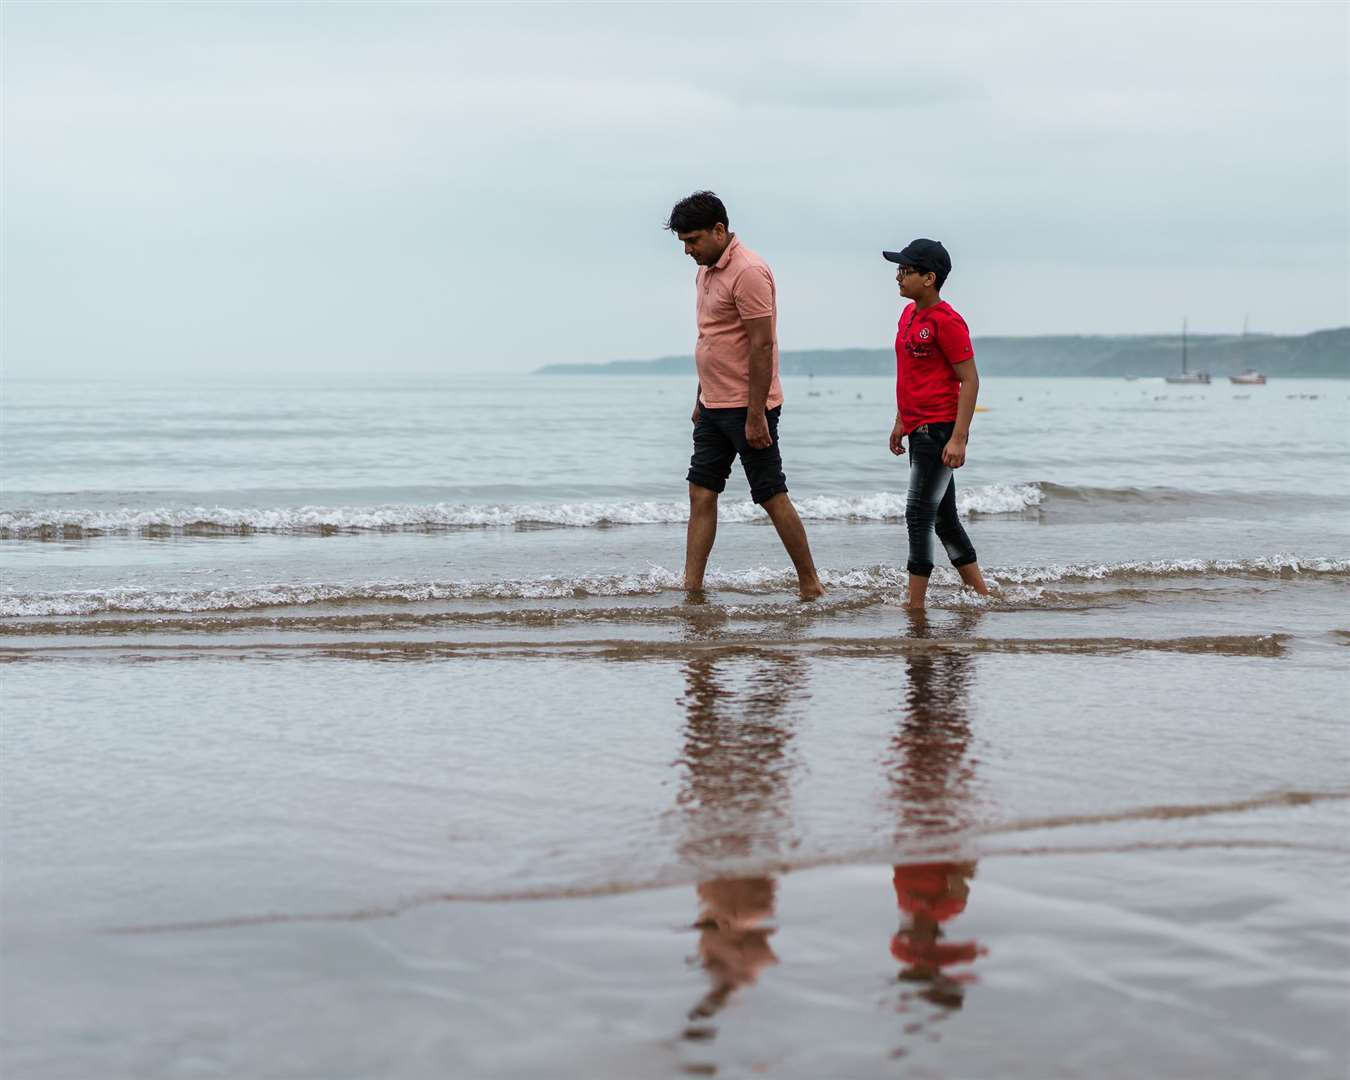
{"points": [[721, 264]]}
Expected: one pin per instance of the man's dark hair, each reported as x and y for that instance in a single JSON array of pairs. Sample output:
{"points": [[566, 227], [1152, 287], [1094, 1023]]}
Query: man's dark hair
{"points": [[702, 210]]}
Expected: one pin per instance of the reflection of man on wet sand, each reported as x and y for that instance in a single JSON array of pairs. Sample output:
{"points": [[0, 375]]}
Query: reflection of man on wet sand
{"points": [[930, 894], [733, 941], [930, 773], [734, 797]]}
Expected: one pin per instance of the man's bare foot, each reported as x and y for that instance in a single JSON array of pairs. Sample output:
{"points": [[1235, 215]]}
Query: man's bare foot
{"points": [[813, 591]]}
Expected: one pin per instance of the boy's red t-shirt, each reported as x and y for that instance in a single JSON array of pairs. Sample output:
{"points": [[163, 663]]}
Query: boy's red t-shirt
{"points": [[927, 345]]}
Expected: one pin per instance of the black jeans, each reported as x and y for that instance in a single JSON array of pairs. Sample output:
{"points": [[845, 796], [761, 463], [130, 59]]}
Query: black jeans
{"points": [[719, 436], [932, 501]]}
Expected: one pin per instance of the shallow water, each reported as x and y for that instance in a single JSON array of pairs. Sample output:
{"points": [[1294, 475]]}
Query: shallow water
{"points": [[345, 736]]}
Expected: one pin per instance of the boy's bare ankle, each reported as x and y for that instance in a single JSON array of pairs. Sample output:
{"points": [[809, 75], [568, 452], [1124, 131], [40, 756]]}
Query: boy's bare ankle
{"points": [[917, 593]]}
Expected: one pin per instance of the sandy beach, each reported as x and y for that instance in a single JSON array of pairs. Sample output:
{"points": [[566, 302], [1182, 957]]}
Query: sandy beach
{"points": [[1103, 897]]}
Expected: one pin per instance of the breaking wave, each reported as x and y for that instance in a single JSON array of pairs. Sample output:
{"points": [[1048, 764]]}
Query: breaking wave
{"points": [[1266, 566], [224, 521], [1020, 584]]}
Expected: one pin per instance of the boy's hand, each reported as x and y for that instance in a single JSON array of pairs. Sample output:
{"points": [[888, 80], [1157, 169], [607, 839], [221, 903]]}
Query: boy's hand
{"points": [[897, 439], [954, 453]]}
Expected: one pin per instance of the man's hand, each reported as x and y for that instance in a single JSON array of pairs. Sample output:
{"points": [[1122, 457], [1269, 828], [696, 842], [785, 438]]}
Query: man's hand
{"points": [[693, 417], [954, 453], [897, 439], [757, 430]]}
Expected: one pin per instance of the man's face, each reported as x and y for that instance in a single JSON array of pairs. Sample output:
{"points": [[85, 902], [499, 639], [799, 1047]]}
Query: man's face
{"points": [[705, 246], [914, 282]]}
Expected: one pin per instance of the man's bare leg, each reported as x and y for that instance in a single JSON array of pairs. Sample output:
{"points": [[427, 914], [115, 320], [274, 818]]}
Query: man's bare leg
{"points": [[699, 539], [971, 576], [784, 517]]}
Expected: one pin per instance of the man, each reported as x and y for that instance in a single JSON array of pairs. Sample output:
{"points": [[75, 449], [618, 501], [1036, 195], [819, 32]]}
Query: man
{"points": [[739, 398], [936, 386]]}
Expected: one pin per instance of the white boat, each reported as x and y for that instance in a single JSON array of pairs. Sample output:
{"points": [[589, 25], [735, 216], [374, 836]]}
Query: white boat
{"points": [[1250, 377], [1188, 378]]}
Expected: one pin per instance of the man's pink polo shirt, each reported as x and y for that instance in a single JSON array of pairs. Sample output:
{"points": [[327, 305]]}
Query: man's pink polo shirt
{"points": [[738, 286]]}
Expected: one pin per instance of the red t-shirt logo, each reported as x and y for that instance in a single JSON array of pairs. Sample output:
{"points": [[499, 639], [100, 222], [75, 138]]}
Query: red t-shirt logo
{"points": [[925, 333]]}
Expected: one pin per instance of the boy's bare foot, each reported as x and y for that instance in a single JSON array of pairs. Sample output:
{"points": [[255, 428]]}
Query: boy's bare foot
{"points": [[972, 578]]}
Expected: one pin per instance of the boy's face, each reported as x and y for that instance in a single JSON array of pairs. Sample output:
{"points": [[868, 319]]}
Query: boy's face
{"points": [[915, 284]]}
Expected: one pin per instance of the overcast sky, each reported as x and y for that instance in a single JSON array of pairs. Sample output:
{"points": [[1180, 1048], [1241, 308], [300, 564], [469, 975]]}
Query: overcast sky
{"points": [[259, 187]]}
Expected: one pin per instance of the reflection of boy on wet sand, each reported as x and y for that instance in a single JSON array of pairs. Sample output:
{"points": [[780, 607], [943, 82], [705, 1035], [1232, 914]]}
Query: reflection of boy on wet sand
{"points": [[733, 941], [931, 894]]}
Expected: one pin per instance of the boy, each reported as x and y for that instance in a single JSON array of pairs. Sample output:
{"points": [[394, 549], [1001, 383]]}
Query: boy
{"points": [[935, 390]]}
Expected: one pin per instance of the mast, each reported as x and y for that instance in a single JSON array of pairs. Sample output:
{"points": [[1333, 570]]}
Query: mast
{"points": [[1183, 345]]}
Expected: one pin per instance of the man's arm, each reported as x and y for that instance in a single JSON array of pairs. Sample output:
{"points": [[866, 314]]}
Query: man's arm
{"points": [[698, 393], [954, 453], [761, 375]]}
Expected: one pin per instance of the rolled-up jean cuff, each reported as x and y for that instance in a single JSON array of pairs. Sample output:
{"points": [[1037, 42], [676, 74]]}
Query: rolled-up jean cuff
{"points": [[919, 569], [759, 497], [699, 480], [965, 560]]}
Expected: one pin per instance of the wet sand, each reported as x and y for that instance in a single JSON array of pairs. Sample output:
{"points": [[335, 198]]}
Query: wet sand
{"points": [[1107, 963], [745, 848]]}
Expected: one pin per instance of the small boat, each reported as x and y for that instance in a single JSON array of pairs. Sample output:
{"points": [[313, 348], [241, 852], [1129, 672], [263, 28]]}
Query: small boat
{"points": [[1250, 377], [1188, 378]]}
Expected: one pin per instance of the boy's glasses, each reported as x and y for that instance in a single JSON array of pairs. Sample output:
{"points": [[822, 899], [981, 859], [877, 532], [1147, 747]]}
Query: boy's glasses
{"points": [[905, 271]]}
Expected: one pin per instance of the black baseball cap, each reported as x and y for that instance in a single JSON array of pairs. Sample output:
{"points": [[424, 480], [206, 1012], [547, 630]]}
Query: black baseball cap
{"points": [[922, 255]]}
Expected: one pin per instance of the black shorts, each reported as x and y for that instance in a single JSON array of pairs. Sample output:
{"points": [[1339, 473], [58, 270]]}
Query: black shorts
{"points": [[719, 436]]}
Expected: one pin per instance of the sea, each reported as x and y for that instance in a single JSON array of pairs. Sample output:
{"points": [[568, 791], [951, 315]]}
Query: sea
{"points": [[357, 726]]}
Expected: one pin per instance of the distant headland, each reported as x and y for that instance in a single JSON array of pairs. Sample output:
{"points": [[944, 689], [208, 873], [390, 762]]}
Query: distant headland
{"points": [[1323, 354]]}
